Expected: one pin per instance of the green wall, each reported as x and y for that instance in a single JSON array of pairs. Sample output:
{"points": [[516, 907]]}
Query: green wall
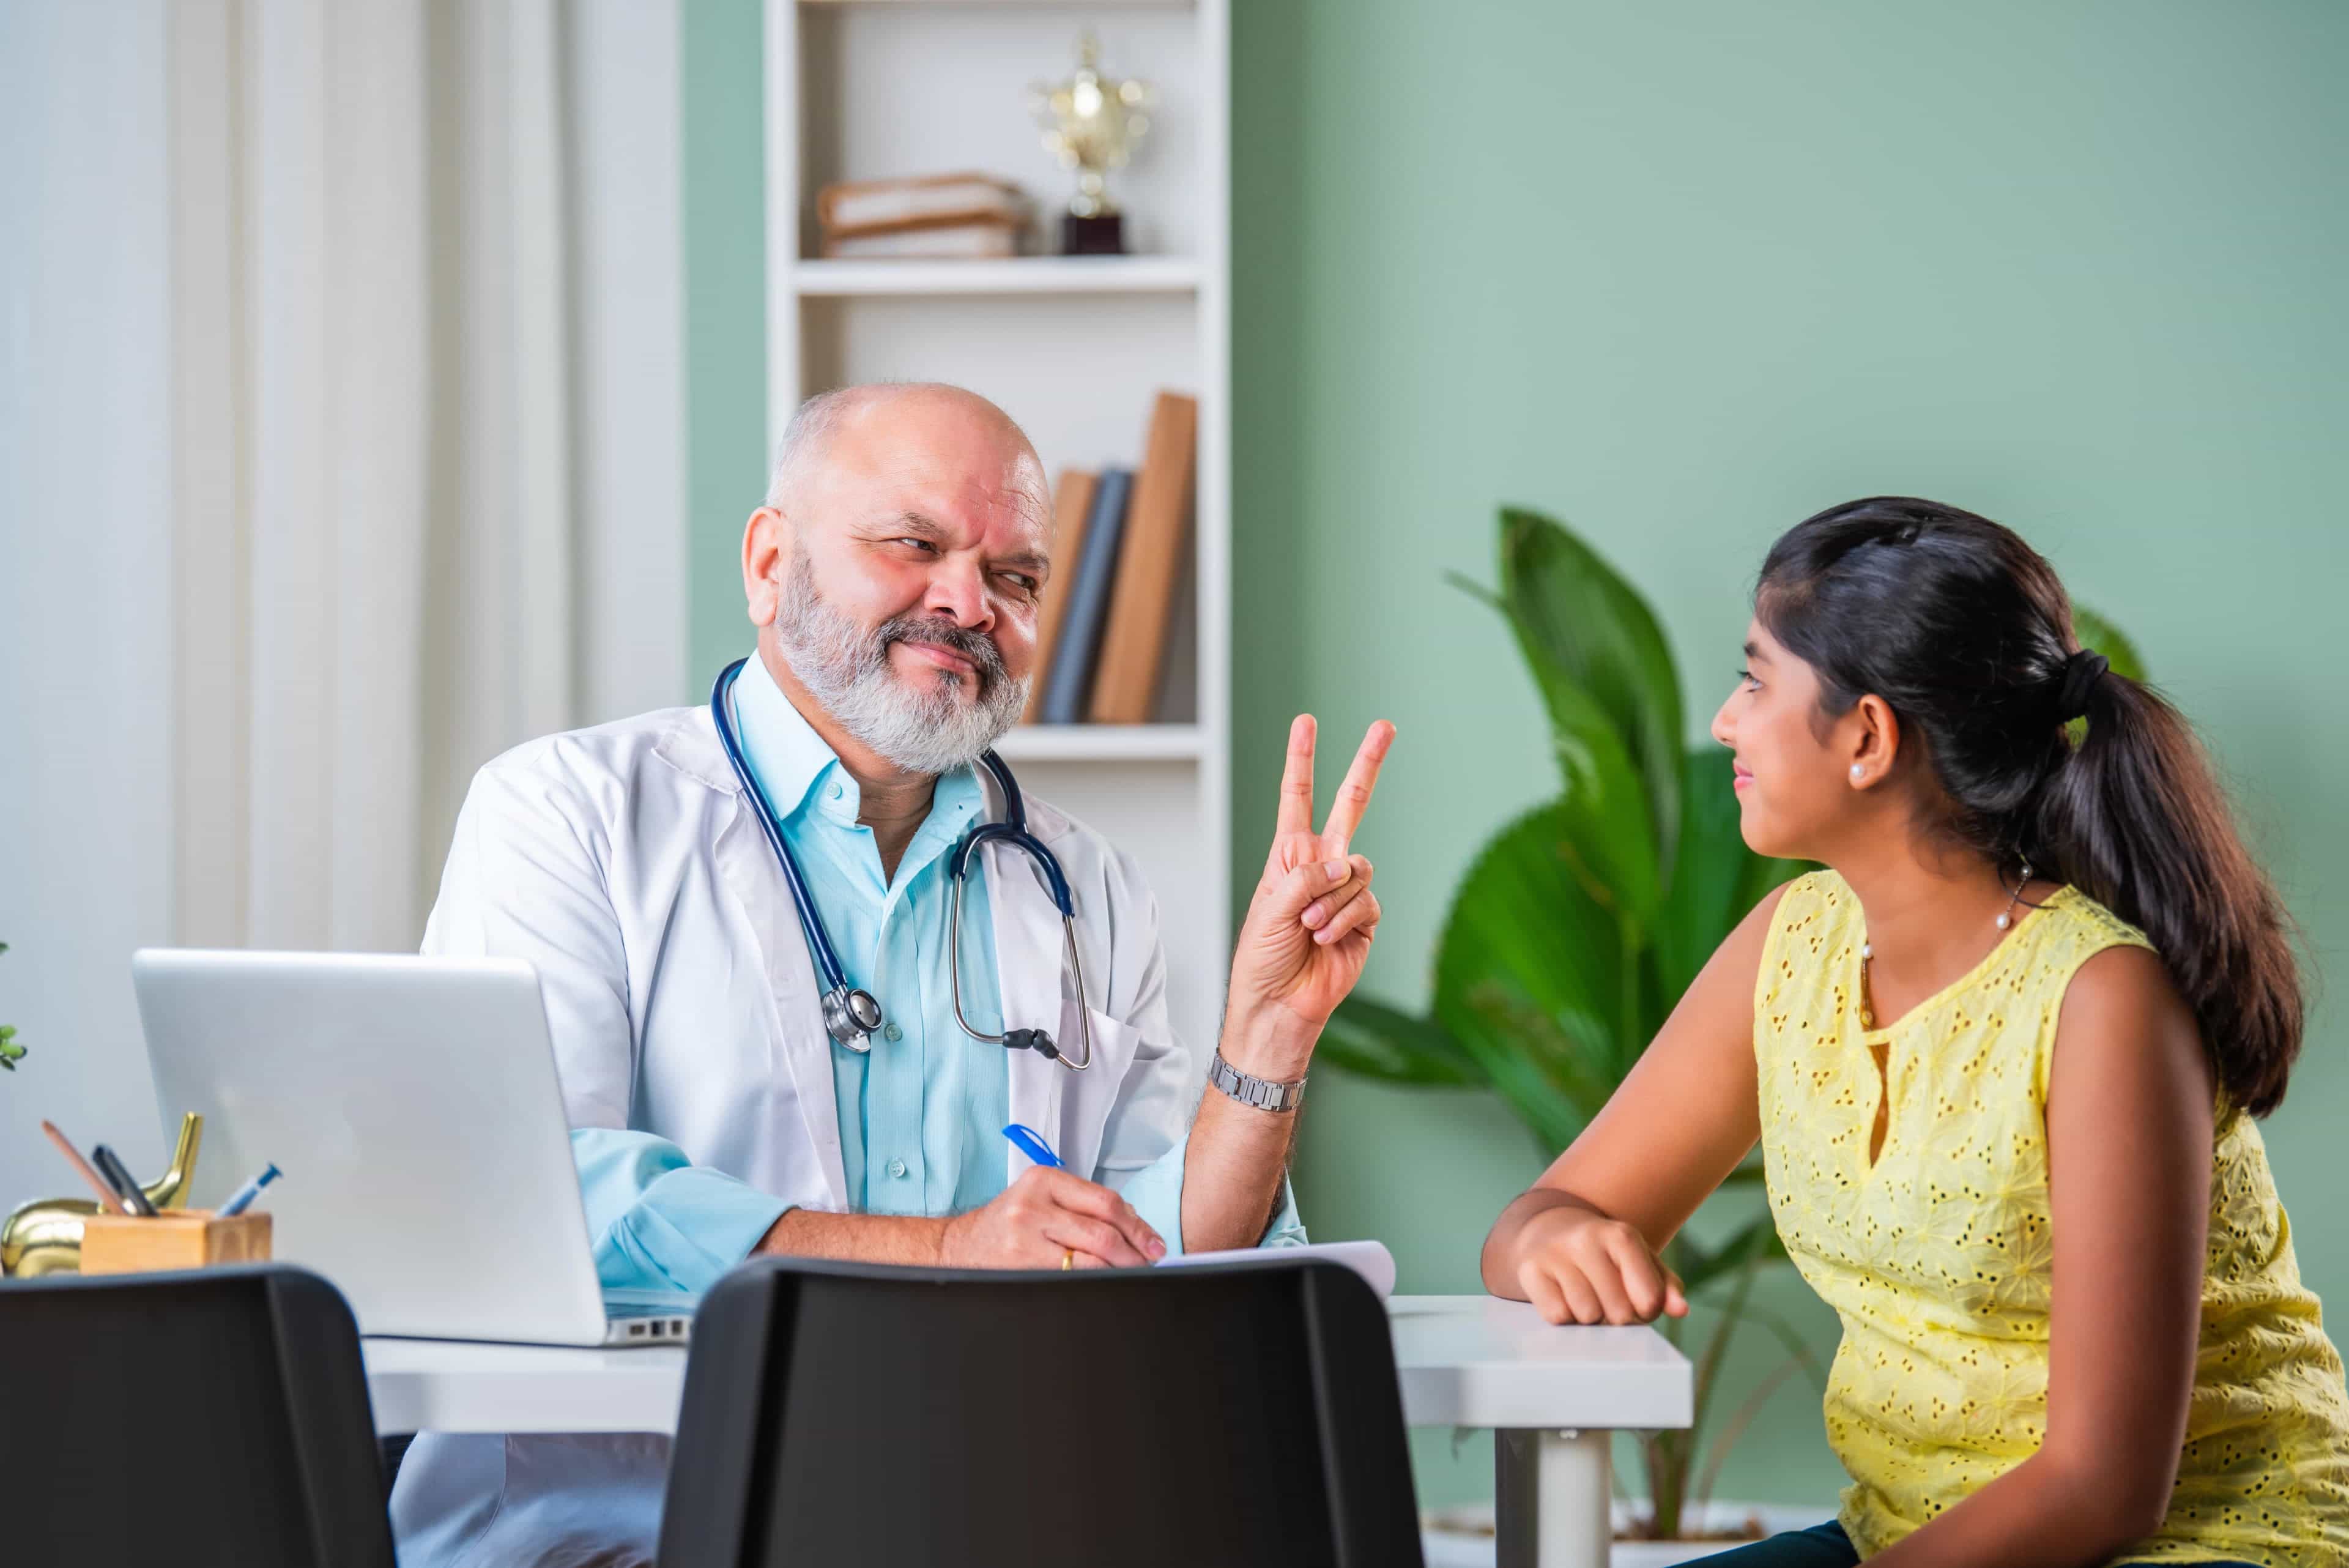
{"points": [[1685, 273], [725, 198]]}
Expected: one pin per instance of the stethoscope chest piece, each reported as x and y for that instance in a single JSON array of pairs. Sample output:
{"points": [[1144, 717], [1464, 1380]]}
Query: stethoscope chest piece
{"points": [[851, 1016]]}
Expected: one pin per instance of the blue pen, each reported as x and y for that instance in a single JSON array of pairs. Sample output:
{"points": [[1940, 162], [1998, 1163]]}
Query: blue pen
{"points": [[245, 1195], [1028, 1141]]}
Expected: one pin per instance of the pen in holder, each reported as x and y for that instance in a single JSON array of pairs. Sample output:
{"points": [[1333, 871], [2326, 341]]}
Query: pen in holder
{"points": [[43, 1237], [182, 1239]]}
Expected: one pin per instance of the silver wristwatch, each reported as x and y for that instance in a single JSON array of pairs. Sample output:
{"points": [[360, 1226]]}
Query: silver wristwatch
{"points": [[1249, 1090]]}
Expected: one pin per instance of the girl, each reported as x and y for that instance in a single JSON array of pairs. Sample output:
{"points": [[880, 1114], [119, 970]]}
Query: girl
{"points": [[2003, 1059]]}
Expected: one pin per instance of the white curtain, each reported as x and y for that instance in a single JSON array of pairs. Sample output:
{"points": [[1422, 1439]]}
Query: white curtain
{"points": [[373, 513], [342, 345]]}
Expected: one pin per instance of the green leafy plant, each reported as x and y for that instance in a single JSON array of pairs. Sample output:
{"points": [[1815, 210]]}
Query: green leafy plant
{"points": [[10, 1051], [1577, 928]]}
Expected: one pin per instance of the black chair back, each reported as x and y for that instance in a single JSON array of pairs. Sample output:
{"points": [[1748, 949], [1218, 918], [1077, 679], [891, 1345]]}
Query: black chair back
{"points": [[1231, 1415], [213, 1417]]}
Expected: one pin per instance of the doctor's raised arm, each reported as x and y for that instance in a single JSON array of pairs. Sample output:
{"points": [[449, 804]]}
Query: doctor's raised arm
{"points": [[1300, 950]]}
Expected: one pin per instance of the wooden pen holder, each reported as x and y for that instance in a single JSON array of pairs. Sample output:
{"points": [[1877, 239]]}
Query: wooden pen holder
{"points": [[177, 1239]]}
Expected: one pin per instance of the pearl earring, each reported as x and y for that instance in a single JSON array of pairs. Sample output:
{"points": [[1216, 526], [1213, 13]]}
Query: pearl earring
{"points": [[1856, 771]]}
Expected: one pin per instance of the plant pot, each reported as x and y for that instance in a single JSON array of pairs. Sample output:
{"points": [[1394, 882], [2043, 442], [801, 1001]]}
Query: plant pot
{"points": [[1463, 1537]]}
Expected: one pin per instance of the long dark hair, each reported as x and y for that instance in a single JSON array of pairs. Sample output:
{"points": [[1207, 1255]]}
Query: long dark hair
{"points": [[1965, 631]]}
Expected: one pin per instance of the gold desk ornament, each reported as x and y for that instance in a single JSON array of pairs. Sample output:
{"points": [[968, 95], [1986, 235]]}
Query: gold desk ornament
{"points": [[1091, 123], [43, 1237]]}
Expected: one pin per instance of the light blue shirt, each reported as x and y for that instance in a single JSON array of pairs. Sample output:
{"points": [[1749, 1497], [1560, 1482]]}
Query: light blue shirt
{"points": [[922, 1114]]}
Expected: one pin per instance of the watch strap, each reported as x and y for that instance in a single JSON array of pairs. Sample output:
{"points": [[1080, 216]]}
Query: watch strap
{"points": [[1262, 1094]]}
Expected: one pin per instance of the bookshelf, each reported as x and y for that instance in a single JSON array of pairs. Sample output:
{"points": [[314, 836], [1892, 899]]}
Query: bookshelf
{"points": [[1021, 275], [1075, 348]]}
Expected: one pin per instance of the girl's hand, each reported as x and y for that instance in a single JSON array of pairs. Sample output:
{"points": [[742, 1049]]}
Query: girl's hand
{"points": [[1579, 1266]]}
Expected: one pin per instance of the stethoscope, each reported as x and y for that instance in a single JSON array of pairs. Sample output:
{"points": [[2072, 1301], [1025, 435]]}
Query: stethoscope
{"points": [[850, 1014]]}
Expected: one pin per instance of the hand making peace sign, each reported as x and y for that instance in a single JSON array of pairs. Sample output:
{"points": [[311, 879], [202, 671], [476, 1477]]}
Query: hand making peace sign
{"points": [[1310, 925]]}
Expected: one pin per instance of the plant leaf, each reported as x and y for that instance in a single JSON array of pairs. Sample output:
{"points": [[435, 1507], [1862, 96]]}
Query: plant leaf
{"points": [[1611, 830], [1476, 591], [1798, 1349], [1758, 1237], [1528, 976], [1593, 627], [1547, 1080], [2102, 635], [1708, 873], [1377, 1040], [1745, 1253], [1608, 827], [1716, 879]]}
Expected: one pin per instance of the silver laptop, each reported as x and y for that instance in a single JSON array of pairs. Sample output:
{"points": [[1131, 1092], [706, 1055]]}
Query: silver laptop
{"points": [[412, 1105]]}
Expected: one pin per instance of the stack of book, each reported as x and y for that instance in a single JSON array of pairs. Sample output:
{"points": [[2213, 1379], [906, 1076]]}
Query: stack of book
{"points": [[933, 215], [1100, 639]]}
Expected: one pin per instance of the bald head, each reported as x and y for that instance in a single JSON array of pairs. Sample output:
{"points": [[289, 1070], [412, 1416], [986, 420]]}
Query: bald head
{"points": [[908, 411]]}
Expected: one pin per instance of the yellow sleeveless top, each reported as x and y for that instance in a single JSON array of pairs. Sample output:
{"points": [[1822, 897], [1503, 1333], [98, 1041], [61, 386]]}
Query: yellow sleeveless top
{"points": [[1938, 1258]]}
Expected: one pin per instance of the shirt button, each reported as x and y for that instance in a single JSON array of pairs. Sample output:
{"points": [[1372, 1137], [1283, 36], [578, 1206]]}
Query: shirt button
{"points": [[894, 1033], [898, 1168]]}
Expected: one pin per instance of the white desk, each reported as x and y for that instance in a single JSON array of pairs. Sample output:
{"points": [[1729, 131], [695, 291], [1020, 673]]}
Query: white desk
{"points": [[1552, 1395]]}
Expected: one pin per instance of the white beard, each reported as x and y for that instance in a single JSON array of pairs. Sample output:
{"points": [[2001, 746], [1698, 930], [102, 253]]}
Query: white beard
{"points": [[924, 725]]}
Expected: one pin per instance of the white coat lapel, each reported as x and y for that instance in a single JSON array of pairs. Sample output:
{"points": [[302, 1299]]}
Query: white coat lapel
{"points": [[748, 867], [1028, 974]]}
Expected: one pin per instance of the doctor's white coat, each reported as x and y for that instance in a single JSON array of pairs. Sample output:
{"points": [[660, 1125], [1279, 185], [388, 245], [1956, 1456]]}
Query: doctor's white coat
{"points": [[625, 864]]}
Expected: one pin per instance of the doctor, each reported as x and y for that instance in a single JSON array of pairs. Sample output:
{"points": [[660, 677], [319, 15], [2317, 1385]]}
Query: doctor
{"points": [[893, 575]]}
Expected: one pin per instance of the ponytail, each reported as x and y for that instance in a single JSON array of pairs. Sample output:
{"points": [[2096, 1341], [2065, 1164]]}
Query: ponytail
{"points": [[1967, 633], [2134, 818]]}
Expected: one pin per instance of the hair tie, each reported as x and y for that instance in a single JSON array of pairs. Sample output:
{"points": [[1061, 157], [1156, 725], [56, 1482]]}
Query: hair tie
{"points": [[2081, 673]]}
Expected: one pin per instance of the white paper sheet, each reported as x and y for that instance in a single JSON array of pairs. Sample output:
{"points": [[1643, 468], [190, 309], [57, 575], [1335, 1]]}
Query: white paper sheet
{"points": [[1368, 1259]]}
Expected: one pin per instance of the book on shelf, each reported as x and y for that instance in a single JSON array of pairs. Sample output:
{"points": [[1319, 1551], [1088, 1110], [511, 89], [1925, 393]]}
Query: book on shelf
{"points": [[985, 240], [847, 206], [1072, 504], [1070, 680], [1132, 652]]}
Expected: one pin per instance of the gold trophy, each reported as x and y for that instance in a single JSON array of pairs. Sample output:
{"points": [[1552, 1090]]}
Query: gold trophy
{"points": [[1091, 123]]}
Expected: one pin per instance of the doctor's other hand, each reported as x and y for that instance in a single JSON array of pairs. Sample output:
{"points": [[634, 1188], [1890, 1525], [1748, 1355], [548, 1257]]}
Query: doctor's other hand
{"points": [[1044, 1214], [1579, 1266], [1310, 923]]}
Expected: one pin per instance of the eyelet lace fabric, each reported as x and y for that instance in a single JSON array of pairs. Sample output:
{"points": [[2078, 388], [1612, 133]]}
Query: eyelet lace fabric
{"points": [[1938, 1254]]}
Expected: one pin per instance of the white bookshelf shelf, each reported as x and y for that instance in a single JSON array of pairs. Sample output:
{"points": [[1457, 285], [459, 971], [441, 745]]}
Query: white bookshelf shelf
{"points": [[1019, 275], [1102, 743], [819, 5], [1075, 348]]}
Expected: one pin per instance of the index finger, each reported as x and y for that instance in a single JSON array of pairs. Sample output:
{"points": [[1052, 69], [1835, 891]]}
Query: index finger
{"points": [[1354, 794], [1297, 780]]}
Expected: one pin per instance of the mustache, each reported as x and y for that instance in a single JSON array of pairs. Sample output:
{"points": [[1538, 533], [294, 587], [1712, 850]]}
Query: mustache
{"points": [[976, 646]]}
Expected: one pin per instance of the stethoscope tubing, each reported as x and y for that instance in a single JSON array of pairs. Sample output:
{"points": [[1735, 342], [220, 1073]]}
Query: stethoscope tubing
{"points": [[841, 1001], [827, 960]]}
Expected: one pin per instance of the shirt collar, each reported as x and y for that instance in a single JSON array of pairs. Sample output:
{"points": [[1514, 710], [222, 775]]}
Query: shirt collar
{"points": [[796, 770]]}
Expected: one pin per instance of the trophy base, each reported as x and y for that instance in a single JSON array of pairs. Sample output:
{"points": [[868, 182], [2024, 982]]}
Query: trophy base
{"points": [[1102, 235]]}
